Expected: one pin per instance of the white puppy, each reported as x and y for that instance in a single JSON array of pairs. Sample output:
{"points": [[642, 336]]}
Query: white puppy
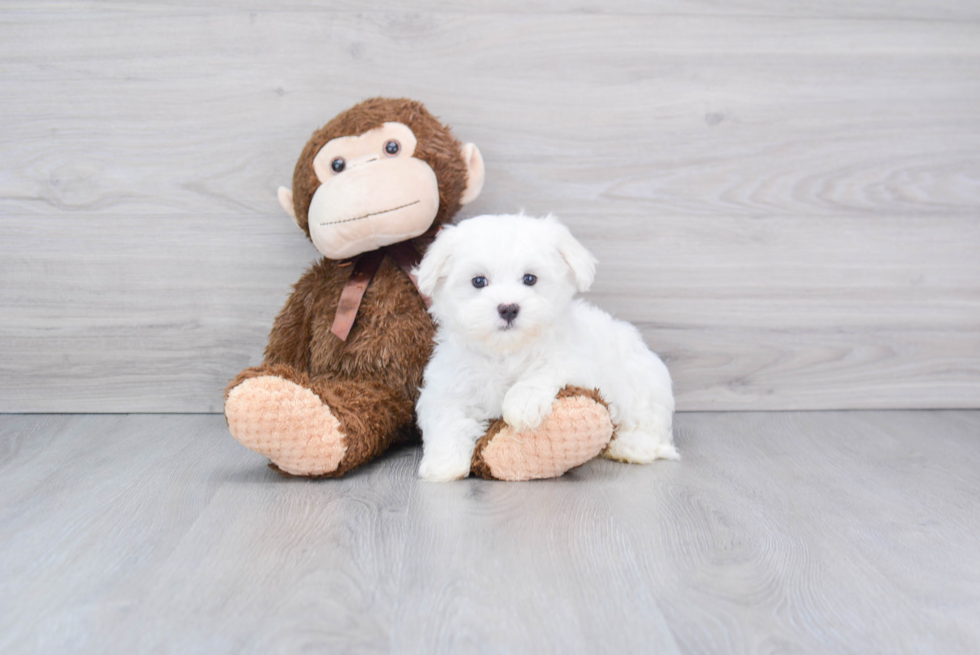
{"points": [[510, 336]]}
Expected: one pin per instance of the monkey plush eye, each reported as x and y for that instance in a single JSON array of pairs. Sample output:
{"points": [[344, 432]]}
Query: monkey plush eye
{"points": [[529, 279], [392, 148], [338, 164], [479, 282]]}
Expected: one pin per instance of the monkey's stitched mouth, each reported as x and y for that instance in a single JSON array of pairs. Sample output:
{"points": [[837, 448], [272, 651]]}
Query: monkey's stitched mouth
{"points": [[386, 211]]}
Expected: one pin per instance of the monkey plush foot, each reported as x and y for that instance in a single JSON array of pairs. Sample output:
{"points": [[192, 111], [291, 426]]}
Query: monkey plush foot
{"points": [[577, 430], [287, 423]]}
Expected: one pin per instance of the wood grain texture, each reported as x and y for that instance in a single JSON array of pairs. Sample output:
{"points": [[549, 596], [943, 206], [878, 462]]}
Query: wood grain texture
{"points": [[792, 532], [874, 9], [784, 199]]}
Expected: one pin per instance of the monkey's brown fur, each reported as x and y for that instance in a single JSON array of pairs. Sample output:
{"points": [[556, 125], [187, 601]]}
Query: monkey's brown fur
{"points": [[371, 380]]}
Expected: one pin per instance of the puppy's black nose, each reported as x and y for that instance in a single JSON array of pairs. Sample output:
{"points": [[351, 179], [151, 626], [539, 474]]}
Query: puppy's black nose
{"points": [[508, 312]]}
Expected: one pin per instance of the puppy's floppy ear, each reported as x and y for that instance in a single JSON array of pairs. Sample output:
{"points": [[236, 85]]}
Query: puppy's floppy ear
{"points": [[435, 264], [579, 260]]}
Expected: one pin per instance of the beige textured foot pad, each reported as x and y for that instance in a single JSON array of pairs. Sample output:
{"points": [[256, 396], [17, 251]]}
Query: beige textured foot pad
{"points": [[287, 423], [576, 431]]}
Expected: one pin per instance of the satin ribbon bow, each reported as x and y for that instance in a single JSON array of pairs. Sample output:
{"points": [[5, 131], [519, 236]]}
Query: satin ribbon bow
{"points": [[365, 266]]}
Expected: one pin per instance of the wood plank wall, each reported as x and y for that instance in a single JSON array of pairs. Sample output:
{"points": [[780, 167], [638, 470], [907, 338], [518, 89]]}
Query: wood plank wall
{"points": [[785, 198]]}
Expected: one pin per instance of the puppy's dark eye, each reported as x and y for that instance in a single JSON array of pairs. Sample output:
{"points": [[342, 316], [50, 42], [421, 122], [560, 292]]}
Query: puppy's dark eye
{"points": [[479, 282], [529, 279], [392, 148], [338, 164]]}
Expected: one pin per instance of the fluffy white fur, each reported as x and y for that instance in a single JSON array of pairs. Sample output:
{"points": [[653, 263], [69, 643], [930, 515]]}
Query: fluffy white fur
{"points": [[484, 367]]}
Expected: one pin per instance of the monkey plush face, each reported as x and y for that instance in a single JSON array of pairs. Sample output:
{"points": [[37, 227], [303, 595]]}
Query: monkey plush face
{"points": [[382, 172], [373, 192]]}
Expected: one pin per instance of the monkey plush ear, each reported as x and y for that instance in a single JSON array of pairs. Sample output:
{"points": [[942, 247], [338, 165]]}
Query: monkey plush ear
{"points": [[435, 264], [580, 261], [474, 173], [286, 200]]}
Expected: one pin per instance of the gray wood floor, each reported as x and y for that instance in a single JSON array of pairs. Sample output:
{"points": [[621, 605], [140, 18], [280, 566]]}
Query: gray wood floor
{"points": [[789, 532]]}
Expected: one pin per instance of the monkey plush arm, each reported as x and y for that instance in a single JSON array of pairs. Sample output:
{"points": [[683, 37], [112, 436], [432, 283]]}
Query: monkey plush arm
{"points": [[289, 340], [287, 353]]}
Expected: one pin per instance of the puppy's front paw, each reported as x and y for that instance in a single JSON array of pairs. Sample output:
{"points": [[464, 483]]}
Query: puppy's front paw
{"points": [[445, 466], [526, 406]]}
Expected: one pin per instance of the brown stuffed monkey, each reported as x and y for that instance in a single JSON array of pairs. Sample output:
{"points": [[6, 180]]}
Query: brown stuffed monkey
{"points": [[345, 357]]}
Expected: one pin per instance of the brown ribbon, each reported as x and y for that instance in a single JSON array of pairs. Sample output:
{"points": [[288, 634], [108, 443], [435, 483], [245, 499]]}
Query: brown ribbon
{"points": [[365, 266]]}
